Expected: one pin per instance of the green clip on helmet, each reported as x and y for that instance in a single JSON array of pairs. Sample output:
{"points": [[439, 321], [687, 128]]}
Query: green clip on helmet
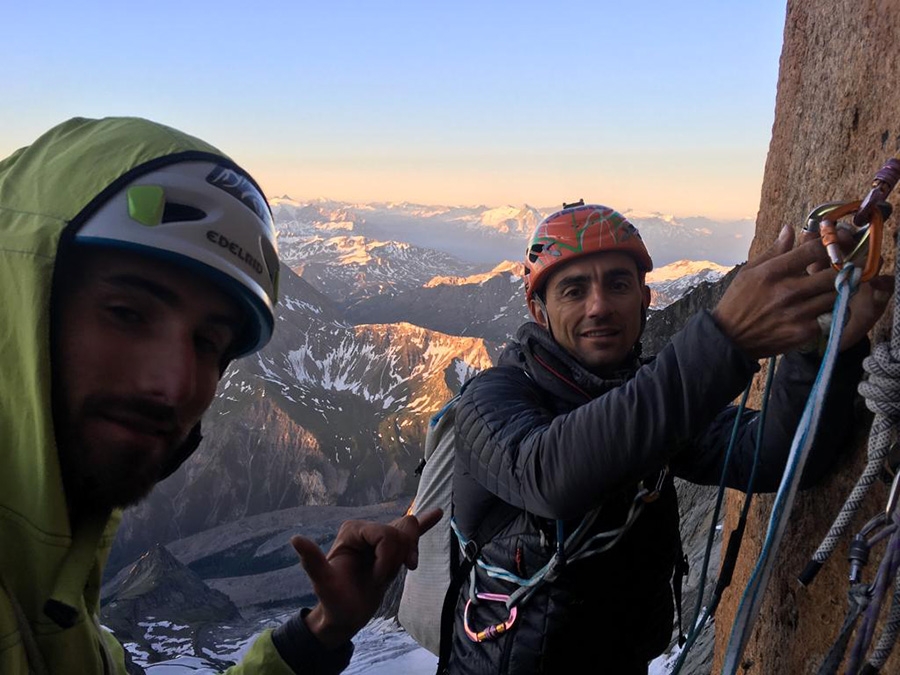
{"points": [[207, 216]]}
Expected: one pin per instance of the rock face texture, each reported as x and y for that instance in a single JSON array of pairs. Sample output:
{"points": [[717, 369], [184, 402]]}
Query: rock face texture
{"points": [[836, 123]]}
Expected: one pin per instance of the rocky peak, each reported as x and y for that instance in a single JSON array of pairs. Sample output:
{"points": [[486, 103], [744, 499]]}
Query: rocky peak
{"points": [[158, 588], [512, 267]]}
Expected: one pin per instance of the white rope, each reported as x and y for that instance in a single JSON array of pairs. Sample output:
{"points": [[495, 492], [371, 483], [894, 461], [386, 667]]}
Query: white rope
{"points": [[882, 393]]}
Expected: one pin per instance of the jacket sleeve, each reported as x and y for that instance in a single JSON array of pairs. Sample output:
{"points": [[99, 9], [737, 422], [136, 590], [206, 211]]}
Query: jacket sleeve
{"points": [[291, 649], [796, 374], [514, 444], [263, 659], [304, 653]]}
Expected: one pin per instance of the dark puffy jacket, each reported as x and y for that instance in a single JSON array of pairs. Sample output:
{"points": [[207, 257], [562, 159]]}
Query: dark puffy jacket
{"points": [[541, 439]]}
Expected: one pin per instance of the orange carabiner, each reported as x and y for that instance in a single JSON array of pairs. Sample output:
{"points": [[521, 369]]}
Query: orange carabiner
{"points": [[868, 246]]}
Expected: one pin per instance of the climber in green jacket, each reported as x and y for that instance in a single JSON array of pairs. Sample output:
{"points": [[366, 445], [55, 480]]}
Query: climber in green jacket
{"points": [[136, 262]]}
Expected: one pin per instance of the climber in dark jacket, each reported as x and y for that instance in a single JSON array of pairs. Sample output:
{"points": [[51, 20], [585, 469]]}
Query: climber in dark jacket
{"points": [[573, 421]]}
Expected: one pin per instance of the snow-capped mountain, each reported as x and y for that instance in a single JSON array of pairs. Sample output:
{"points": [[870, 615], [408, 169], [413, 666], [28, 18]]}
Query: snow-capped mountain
{"points": [[488, 235], [671, 282], [670, 239], [475, 234], [490, 306], [327, 413], [348, 268], [386, 282], [514, 268]]}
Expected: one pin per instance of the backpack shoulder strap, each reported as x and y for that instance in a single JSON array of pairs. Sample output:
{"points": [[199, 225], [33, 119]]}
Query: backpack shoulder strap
{"points": [[501, 515], [461, 569], [498, 517]]}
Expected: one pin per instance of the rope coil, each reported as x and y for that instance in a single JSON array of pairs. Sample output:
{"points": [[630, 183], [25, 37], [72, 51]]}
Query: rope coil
{"points": [[881, 391]]}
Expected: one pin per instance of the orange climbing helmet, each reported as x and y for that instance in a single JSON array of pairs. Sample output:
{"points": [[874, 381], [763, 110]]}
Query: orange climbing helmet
{"points": [[578, 230]]}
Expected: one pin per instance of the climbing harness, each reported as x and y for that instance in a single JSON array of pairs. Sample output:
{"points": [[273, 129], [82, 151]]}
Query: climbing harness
{"points": [[869, 215], [568, 549]]}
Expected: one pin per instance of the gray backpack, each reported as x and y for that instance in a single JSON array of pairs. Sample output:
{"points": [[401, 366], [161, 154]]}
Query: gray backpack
{"points": [[428, 602], [425, 587]]}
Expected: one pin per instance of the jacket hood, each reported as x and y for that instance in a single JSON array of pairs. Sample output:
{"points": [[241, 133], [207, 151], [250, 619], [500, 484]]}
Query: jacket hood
{"points": [[47, 190]]}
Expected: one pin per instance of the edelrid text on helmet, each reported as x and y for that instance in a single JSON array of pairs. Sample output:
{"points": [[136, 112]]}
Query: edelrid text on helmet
{"points": [[208, 216], [575, 232]]}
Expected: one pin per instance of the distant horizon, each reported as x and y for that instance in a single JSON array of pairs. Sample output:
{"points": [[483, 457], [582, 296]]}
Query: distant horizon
{"points": [[659, 105], [491, 207], [486, 235]]}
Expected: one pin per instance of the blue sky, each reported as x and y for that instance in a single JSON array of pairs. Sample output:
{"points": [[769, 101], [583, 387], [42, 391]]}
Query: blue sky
{"points": [[660, 106]]}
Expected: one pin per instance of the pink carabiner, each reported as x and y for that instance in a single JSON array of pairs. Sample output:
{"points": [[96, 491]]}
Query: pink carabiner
{"points": [[491, 632]]}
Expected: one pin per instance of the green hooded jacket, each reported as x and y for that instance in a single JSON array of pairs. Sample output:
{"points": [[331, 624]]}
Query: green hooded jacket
{"points": [[50, 575]]}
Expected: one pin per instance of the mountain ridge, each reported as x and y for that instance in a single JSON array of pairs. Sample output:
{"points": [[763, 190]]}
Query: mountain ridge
{"points": [[488, 234]]}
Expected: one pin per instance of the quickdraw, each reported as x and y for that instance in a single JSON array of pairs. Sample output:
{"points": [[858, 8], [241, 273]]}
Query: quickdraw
{"points": [[826, 220], [867, 225], [865, 599]]}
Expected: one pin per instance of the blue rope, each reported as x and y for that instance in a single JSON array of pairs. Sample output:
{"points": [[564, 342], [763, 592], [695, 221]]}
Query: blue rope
{"points": [[699, 622], [696, 623], [846, 283]]}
